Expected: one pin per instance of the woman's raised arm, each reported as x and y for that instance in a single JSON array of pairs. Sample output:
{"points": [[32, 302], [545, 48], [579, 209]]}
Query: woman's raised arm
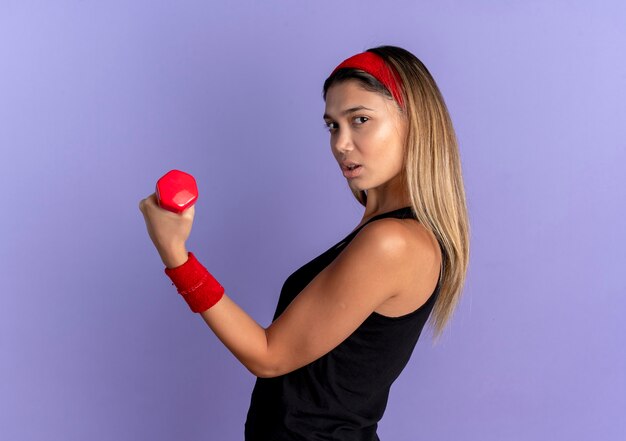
{"points": [[372, 268]]}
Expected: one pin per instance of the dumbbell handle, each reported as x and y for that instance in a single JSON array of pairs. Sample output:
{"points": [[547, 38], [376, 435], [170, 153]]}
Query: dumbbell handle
{"points": [[176, 191]]}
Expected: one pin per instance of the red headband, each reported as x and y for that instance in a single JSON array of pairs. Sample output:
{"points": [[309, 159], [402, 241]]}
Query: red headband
{"points": [[376, 66]]}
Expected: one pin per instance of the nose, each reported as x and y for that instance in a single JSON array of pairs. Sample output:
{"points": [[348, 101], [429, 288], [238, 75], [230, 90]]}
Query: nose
{"points": [[342, 141]]}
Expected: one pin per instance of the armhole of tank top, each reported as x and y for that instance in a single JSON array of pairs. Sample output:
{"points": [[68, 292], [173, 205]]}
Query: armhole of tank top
{"points": [[379, 216], [408, 315], [433, 296]]}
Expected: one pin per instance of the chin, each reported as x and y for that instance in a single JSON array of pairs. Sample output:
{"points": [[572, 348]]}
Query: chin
{"points": [[356, 186]]}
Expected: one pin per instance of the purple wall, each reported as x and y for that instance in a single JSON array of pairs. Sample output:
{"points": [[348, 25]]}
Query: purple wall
{"points": [[99, 99]]}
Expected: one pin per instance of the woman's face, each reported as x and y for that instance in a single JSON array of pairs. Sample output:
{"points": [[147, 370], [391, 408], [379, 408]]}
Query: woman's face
{"points": [[366, 128]]}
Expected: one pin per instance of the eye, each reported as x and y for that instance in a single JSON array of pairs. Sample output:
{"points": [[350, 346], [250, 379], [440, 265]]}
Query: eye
{"points": [[329, 125]]}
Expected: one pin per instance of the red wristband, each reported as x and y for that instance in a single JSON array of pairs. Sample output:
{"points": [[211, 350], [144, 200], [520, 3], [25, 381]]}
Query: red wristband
{"points": [[196, 284]]}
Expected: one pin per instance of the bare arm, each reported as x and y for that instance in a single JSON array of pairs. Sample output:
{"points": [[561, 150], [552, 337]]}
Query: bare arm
{"points": [[372, 268]]}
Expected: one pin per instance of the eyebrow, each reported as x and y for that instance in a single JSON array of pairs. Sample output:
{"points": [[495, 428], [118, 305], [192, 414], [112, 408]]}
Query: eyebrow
{"points": [[350, 110]]}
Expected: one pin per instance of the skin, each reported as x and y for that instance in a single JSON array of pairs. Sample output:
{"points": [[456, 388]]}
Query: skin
{"points": [[391, 266]]}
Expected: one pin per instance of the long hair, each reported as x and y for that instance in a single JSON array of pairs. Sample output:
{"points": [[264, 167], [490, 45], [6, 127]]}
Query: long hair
{"points": [[432, 170]]}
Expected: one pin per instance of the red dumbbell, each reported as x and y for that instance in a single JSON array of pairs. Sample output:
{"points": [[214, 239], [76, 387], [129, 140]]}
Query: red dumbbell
{"points": [[176, 191]]}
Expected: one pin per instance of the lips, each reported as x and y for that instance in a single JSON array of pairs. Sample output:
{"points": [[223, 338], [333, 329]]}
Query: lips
{"points": [[349, 165], [350, 174]]}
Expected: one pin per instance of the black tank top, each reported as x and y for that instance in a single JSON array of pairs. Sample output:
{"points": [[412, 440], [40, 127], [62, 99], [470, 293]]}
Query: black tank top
{"points": [[342, 395]]}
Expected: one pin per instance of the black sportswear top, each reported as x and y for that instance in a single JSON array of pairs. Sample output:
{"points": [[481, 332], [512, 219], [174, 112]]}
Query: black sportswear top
{"points": [[342, 395]]}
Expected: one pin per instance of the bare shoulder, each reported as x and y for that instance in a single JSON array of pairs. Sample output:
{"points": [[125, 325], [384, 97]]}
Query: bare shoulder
{"points": [[387, 235], [405, 236], [416, 254]]}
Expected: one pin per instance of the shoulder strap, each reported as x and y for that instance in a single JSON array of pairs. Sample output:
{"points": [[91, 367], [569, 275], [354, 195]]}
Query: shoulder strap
{"points": [[402, 213]]}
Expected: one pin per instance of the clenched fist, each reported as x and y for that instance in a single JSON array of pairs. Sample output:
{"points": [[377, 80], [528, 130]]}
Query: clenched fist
{"points": [[169, 231]]}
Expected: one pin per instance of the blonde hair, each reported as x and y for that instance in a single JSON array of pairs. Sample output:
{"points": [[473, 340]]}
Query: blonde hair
{"points": [[432, 170]]}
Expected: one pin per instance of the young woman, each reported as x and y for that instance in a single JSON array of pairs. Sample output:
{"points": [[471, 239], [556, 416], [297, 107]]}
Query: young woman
{"points": [[347, 322]]}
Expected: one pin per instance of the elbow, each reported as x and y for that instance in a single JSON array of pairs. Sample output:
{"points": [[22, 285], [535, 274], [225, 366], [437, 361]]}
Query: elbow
{"points": [[265, 374], [267, 367], [265, 371], [271, 364]]}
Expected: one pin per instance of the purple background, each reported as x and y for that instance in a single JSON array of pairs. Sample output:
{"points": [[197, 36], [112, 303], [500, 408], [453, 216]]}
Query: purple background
{"points": [[100, 99]]}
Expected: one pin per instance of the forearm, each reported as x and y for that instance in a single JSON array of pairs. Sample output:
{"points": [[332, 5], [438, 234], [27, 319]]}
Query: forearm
{"points": [[241, 334]]}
